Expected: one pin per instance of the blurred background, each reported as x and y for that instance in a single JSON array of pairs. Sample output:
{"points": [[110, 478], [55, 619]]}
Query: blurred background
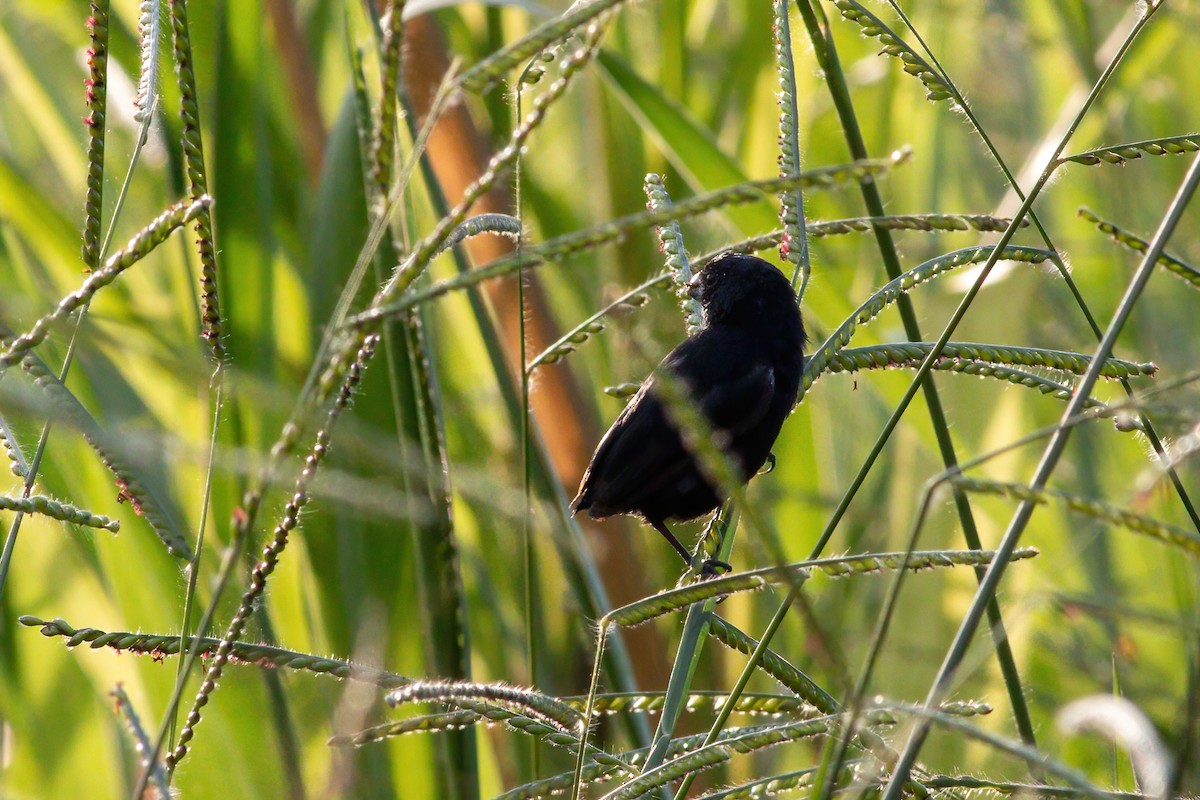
{"points": [[685, 88]]}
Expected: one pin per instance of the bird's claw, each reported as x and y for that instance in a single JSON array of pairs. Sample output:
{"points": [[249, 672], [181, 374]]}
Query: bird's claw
{"points": [[768, 465], [713, 568]]}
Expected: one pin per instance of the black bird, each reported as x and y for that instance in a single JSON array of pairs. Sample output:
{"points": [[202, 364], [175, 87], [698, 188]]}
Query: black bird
{"points": [[742, 369]]}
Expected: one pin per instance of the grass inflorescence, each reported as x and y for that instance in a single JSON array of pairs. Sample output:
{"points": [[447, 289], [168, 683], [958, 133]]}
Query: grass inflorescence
{"points": [[359, 190]]}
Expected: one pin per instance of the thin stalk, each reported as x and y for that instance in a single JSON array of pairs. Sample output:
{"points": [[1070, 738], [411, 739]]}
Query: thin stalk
{"points": [[791, 209], [691, 644], [194, 567], [743, 679], [1045, 468], [224, 572], [208, 310], [529, 554]]}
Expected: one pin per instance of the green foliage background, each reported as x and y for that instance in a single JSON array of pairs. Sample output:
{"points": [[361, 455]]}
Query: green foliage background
{"points": [[686, 89]]}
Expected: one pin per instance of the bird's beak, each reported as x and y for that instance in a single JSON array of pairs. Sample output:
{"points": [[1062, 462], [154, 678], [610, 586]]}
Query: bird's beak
{"points": [[693, 288]]}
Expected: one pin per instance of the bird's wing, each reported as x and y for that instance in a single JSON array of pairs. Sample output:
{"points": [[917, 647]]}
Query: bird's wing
{"points": [[730, 385], [641, 453], [638, 453]]}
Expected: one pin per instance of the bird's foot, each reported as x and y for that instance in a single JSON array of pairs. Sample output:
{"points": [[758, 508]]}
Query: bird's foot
{"points": [[713, 568], [768, 465]]}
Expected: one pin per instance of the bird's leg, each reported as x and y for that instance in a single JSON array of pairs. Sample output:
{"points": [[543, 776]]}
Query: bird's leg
{"points": [[662, 528], [710, 568]]}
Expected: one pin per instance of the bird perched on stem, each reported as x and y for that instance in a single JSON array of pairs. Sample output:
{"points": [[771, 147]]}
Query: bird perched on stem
{"points": [[741, 369]]}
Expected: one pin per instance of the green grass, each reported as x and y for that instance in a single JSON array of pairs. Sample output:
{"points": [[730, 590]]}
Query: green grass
{"points": [[302, 401]]}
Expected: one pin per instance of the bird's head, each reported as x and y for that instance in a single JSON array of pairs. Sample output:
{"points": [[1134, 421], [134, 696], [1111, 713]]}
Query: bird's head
{"points": [[740, 289]]}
